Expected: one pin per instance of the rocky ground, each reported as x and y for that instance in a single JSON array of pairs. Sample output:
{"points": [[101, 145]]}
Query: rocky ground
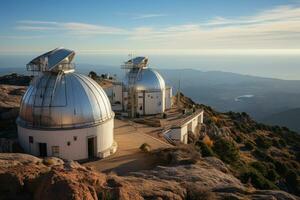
{"points": [[10, 97], [191, 172], [182, 175]]}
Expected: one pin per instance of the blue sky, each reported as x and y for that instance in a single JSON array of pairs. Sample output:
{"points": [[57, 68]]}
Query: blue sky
{"points": [[153, 27]]}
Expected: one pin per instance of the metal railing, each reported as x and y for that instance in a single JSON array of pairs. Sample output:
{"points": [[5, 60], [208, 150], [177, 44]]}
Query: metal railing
{"points": [[43, 67]]}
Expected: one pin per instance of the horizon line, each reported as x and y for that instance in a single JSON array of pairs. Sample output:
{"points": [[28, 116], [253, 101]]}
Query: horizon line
{"points": [[167, 51]]}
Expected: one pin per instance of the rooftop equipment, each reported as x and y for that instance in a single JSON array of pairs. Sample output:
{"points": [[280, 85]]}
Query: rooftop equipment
{"points": [[56, 60]]}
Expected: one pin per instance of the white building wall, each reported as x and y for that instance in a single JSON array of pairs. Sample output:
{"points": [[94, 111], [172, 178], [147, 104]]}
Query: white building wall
{"points": [[194, 124], [200, 118], [77, 150], [154, 102], [109, 93], [179, 134], [163, 101], [117, 93], [168, 98]]}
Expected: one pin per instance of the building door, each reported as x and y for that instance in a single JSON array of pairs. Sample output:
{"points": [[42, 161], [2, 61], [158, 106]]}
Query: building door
{"points": [[91, 147], [43, 149]]}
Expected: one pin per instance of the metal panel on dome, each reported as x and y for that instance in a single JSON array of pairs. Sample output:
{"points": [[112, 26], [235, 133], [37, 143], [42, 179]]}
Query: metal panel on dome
{"points": [[148, 80], [137, 62], [58, 59], [74, 101]]}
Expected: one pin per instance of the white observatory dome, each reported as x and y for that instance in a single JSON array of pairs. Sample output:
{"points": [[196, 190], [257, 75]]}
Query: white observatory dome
{"points": [[64, 114], [68, 101], [147, 79]]}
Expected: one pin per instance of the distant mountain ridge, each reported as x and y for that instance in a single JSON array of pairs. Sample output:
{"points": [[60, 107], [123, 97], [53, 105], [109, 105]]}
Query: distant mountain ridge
{"points": [[289, 118], [221, 89]]}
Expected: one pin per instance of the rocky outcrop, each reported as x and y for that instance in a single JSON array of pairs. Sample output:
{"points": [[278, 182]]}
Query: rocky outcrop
{"points": [[10, 98], [15, 79], [26, 177]]}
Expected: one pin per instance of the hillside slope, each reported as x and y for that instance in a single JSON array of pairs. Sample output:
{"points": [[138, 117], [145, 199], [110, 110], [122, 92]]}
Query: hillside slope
{"points": [[289, 118], [265, 156]]}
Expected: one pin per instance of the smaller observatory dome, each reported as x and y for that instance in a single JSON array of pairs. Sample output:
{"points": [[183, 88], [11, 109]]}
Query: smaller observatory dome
{"points": [[145, 78], [62, 99]]}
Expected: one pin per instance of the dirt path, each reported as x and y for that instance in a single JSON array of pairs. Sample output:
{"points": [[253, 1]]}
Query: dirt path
{"points": [[128, 157]]}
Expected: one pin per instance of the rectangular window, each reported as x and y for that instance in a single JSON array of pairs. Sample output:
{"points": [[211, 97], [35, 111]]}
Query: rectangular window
{"points": [[30, 139], [55, 151]]}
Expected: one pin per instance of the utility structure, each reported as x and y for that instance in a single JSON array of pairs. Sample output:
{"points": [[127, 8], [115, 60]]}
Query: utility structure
{"points": [[133, 67], [64, 114]]}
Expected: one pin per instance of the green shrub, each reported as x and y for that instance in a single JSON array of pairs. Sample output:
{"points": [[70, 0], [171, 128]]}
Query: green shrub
{"points": [[272, 175], [291, 178], [206, 151], [263, 142], [256, 179], [282, 142], [293, 182], [281, 168], [266, 169], [238, 139], [145, 147], [260, 167], [226, 150], [262, 155], [249, 145], [298, 156]]}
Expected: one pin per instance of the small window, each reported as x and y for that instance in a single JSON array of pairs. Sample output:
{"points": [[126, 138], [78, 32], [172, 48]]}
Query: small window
{"points": [[141, 107], [68, 143], [75, 138], [55, 151]]}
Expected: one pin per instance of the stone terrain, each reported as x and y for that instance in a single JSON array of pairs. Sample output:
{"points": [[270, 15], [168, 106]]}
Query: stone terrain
{"points": [[182, 175]]}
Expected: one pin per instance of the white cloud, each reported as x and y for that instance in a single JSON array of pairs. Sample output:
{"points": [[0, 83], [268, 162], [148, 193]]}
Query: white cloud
{"points": [[145, 16], [20, 37], [71, 27], [277, 28]]}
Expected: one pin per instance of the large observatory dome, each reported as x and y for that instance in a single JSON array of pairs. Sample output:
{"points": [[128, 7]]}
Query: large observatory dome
{"points": [[147, 79], [64, 114], [59, 98], [68, 101]]}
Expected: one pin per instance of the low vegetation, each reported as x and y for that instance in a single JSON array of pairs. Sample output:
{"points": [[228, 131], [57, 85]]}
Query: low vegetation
{"points": [[145, 147], [267, 157]]}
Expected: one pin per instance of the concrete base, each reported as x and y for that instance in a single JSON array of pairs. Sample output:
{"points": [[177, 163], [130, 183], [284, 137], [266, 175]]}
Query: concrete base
{"points": [[75, 144]]}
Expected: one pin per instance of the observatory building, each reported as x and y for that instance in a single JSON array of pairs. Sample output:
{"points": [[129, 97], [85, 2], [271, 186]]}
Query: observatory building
{"points": [[143, 90], [64, 114]]}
